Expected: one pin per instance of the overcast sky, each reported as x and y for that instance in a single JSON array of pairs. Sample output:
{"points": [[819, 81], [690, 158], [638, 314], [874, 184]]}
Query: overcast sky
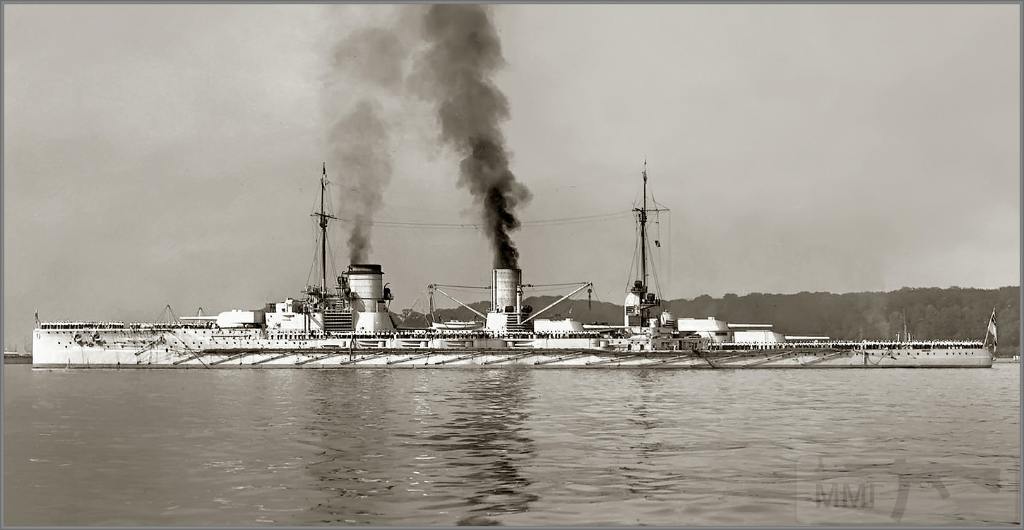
{"points": [[159, 154]]}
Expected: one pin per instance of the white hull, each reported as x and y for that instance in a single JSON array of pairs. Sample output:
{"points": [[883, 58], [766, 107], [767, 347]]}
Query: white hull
{"points": [[216, 348]]}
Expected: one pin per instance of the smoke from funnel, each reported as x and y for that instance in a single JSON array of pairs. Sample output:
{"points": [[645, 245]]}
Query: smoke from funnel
{"points": [[455, 74], [361, 153], [368, 61]]}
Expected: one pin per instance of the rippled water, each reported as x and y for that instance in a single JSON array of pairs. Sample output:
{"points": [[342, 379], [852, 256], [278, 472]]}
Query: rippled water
{"points": [[510, 446]]}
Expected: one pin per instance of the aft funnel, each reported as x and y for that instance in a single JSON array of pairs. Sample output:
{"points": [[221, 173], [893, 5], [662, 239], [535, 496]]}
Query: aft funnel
{"points": [[506, 300], [505, 290]]}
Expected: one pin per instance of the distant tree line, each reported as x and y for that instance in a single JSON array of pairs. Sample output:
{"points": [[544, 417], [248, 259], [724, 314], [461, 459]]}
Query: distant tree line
{"points": [[928, 313]]}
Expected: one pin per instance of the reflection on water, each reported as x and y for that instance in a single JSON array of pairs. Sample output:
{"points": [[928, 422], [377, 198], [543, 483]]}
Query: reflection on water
{"points": [[382, 446], [485, 444], [642, 477], [510, 446], [348, 432]]}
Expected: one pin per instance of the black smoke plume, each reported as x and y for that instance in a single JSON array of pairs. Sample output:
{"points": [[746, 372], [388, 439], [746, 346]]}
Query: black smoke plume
{"points": [[455, 72]]}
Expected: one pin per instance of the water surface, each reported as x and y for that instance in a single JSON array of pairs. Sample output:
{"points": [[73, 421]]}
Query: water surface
{"points": [[510, 446]]}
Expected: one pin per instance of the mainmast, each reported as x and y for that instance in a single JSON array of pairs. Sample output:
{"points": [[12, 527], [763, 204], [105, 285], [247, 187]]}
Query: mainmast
{"points": [[640, 287]]}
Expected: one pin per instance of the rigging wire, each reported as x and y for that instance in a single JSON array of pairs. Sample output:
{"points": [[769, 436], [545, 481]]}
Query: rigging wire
{"points": [[543, 290], [669, 218], [476, 226], [578, 219], [654, 274], [632, 261], [655, 266], [330, 256], [412, 307], [660, 208], [316, 253]]}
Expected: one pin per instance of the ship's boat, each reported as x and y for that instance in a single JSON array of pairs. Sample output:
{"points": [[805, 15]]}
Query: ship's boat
{"points": [[457, 325]]}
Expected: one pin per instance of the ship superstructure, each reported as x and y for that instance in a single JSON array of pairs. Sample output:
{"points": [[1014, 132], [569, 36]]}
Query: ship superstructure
{"points": [[349, 324]]}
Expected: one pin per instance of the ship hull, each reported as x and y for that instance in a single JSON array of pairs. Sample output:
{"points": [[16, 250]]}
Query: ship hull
{"points": [[212, 348]]}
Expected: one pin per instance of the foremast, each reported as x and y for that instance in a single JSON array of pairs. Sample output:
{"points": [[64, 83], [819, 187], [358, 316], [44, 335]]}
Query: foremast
{"points": [[323, 218]]}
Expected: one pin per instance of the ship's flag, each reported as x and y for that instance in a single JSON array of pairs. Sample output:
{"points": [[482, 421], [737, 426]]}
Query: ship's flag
{"points": [[992, 328]]}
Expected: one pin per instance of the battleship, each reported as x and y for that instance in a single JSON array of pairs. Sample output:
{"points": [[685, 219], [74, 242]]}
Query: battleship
{"points": [[349, 325]]}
